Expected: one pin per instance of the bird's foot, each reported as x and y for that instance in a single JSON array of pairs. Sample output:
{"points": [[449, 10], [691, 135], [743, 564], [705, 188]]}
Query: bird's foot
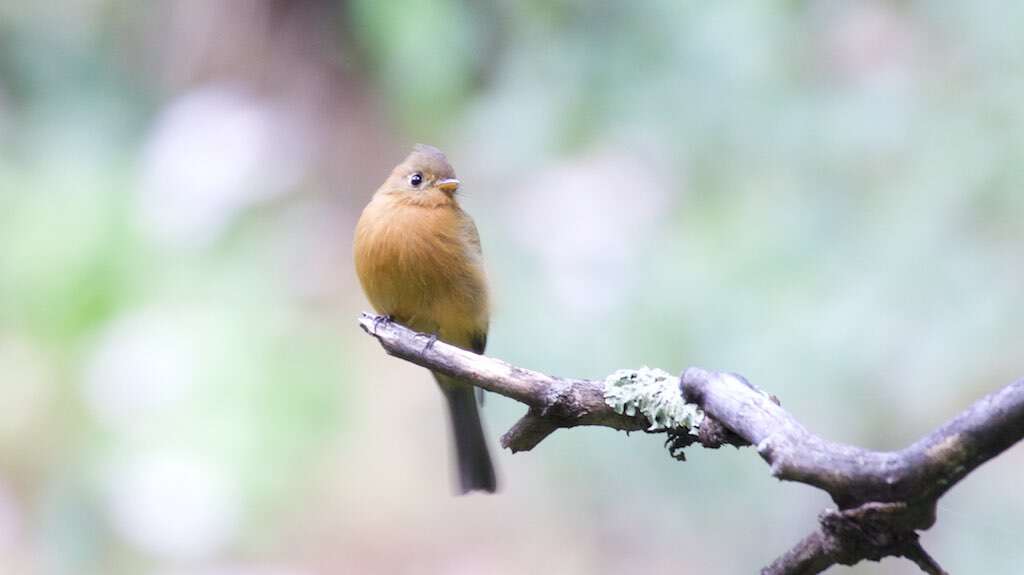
{"points": [[379, 321], [431, 340]]}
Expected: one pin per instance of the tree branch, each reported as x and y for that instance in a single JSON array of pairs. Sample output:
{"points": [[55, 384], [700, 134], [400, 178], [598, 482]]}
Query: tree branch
{"points": [[921, 472], [884, 498], [554, 402]]}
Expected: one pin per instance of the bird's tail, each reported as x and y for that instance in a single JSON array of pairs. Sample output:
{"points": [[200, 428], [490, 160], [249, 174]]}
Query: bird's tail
{"points": [[476, 472]]}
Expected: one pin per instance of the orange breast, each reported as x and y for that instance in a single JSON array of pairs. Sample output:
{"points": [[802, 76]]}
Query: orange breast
{"points": [[417, 264]]}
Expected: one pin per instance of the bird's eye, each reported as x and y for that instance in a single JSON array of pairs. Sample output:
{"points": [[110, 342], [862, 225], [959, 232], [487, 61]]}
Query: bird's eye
{"points": [[416, 179]]}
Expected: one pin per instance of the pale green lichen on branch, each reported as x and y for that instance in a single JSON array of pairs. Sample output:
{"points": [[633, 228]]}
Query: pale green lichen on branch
{"points": [[653, 393]]}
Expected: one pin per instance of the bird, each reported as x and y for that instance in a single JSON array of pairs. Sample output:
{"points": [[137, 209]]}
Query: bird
{"points": [[419, 262]]}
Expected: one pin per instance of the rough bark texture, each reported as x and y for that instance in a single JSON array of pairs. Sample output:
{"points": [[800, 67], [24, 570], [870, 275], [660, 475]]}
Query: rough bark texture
{"points": [[883, 498], [554, 402], [851, 475]]}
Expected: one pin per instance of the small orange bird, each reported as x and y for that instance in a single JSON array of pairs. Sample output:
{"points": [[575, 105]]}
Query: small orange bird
{"points": [[418, 259]]}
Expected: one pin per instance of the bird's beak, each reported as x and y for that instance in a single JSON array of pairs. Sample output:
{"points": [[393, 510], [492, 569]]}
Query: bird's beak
{"points": [[448, 186]]}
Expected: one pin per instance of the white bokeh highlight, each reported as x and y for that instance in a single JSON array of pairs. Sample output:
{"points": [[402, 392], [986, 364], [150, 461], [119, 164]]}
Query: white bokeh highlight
{"points": [[212, 153], [142, 364], [174, 505]]}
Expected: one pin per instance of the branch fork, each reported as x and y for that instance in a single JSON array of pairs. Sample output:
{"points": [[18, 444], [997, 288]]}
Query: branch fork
{"points": [[883, 498]]}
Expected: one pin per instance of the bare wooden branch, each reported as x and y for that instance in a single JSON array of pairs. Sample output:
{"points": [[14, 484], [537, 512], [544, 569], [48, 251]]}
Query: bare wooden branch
{"points": [[909, 481], [851, 475], [813, 554], [530, 430], [871, 532], [926, 562], [554, 402], [884, 498]]}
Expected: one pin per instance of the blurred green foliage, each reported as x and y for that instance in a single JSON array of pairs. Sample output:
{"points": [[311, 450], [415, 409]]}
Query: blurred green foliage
{"points": [[822, 196]]}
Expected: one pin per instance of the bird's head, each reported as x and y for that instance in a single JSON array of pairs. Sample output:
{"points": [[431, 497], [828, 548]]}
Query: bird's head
{"points": [[424, 173]]}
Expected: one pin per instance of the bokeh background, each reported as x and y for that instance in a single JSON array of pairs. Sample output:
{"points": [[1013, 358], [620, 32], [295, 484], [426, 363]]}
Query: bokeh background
{"points": [[824, 196]]}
